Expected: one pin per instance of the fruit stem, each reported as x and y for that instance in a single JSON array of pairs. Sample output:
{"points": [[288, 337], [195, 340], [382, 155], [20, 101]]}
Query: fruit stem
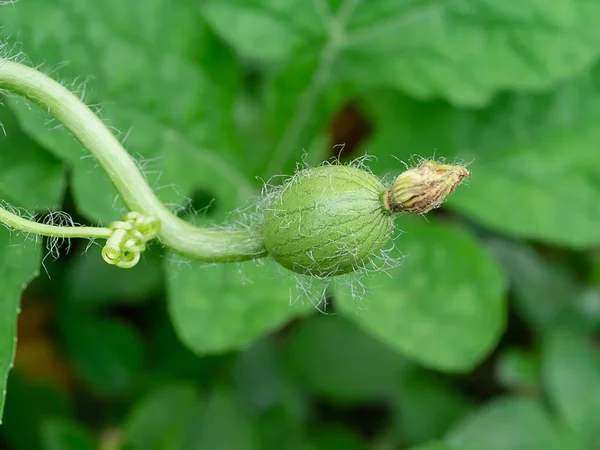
{"points": [[207, 244]]}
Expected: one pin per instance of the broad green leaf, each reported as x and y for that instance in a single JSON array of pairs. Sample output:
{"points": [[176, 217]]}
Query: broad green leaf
{"points": [[161, 420], [90, 282], [108, 354], [29, 177], [529, 155], [294, 113], [222, 425], [19, 264], [424, 407], [262, 381], [263, 385], [169, 93], [571, 374], [463, 50], [28, 405], [444, 305], [509, 423], [334, 358], [258, 375], [545, 292], [65, 435], [281, 118], [224, 307]]}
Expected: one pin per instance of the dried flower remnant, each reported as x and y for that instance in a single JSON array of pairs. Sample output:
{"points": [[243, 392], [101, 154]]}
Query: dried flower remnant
{"points": [[423, 188]]}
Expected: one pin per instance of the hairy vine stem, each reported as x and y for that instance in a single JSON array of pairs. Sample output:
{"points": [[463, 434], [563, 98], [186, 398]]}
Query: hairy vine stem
{"points": [[19, 223], [207, 244]]}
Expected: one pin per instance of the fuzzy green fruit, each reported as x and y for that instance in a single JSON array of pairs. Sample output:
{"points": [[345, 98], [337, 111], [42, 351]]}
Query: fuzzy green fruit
{"points": [[327, 221]]}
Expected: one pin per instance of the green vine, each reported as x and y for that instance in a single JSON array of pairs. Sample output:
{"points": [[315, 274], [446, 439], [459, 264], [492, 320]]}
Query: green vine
{"points": [[207, 244], [322, 222]]}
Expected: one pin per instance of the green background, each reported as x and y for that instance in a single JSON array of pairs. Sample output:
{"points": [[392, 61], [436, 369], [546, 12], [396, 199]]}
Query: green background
{"points": [[485, 337]]}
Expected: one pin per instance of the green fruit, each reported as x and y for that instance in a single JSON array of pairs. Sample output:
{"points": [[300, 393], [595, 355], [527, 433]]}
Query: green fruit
{"points": [[327, 221]]}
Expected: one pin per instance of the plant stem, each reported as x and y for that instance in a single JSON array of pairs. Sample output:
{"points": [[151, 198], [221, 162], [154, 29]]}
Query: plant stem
{"points": [[207, 244], [29, 226]]}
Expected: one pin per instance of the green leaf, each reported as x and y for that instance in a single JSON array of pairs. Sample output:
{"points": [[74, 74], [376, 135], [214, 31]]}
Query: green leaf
{"points": [[19, 264], [30, 177], [262, 381], [28, 405], [222, 425], [334, 358], [154, 87], [161, 420], [294, 115], [444, 305], [263, 385], [571, 374], [65, 435], [425, 407], [107, 353], [90, 282], [224, 307], [463, 50], [545, 292], [509, 423], [529, 156]]}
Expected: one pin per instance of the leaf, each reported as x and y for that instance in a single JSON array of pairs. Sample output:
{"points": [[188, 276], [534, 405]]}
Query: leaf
{"points": [[296, 105], [462, 50], [270, 394], [28, 405], [334, 358], [161, 420], [154, 87], [544, 291], [19, 264], [262, 382], [571, 375], [90, 282], [222, 425], [444, 305], [107, 353], [220, 308], [65, 435], [29, 177], [509, 423], [530, 154], [425, 407]]}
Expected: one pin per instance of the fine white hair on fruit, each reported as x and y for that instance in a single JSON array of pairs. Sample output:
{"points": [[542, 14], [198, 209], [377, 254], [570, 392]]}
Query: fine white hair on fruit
{"points": [[326, 221]]}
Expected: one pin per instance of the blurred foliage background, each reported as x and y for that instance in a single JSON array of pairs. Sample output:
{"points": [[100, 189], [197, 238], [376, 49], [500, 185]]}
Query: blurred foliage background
{"points": [[486, 336]]}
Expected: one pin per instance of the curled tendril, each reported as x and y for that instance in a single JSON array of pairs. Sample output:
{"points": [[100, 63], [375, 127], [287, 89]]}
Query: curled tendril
{"points": [[128, 240]]}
